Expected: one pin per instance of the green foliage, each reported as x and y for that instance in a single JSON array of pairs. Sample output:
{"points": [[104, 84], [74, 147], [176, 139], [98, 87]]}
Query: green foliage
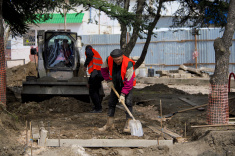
{"points": [[112, 10], [19, 13], [201, 13]]}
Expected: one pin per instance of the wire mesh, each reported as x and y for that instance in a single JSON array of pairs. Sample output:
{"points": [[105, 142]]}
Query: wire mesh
{"points": [[2, 73], [218, 110]]}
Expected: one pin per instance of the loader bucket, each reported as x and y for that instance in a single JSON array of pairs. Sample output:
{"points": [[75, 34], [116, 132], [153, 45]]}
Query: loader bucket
{"points": [[39, 91]]}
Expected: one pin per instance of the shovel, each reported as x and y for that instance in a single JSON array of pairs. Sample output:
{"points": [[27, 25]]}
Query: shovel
{"points": [[170, 115], [135, 125], [88, 87]]}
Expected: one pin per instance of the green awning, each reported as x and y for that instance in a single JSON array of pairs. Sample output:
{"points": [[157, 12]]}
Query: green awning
{"points": [[70, 18]]}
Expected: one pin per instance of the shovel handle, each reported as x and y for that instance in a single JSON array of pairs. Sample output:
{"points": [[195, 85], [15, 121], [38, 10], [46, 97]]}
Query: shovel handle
{"points": [[192, 108], [88, 86], [199, 106], [123, 103]]}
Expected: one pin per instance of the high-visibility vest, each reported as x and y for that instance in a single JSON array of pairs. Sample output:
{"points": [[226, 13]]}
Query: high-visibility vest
{"points": [[125, 62], [96, 62]]}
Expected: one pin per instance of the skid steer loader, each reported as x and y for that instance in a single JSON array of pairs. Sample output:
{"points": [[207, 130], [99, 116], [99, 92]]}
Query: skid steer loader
{"points": [[57, 66]]}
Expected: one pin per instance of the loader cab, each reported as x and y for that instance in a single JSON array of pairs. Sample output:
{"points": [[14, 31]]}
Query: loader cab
{"points": [[59, 53]]}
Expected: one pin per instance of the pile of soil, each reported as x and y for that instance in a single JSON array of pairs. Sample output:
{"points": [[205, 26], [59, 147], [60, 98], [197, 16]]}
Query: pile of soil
{"points": [[9, 132], [16, 75], [160, 89], [63, 105]]}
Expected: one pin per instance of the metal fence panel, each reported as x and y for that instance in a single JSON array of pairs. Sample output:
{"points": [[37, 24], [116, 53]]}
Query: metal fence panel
{"points": [[168, 50]]}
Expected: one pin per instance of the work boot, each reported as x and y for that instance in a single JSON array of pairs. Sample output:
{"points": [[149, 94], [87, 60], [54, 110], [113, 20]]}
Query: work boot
{"points": [[109, 124], [96, 111], [127, 126]]}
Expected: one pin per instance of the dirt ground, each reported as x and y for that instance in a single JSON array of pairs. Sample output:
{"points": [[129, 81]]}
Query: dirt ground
{"points": [[69, 118]]}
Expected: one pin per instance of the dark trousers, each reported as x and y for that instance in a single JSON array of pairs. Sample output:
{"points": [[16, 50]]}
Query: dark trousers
{"points": [[114, 100], [95, 96], [94, 87]]}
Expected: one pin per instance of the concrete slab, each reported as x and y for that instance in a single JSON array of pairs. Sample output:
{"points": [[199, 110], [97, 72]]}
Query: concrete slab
{"points": [[181, 71], [186, 75]]}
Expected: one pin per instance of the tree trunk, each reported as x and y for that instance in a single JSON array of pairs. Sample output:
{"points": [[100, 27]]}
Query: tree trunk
{"points": [[127, 49], [150, 32], [123, 42], [218, 112], [2, 62], [123, 36]]}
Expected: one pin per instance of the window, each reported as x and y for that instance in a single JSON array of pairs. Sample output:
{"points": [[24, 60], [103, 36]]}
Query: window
{"points": [[29, 38], [60, 52]]}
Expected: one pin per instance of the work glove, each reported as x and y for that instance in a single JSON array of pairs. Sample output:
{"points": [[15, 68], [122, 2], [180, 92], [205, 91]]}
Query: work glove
{"points": [[122, 98], [110, 84]]}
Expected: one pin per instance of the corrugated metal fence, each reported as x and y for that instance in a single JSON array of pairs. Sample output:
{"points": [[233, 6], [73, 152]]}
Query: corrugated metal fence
{"points": [[168, 50]]}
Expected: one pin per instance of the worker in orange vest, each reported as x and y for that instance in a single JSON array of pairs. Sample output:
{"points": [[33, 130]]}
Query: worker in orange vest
{"points": [[93, 63], [118, 71]]}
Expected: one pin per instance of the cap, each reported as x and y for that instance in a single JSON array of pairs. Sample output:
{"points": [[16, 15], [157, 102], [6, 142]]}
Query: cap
{"points": [[88, 46], [116, 53]]}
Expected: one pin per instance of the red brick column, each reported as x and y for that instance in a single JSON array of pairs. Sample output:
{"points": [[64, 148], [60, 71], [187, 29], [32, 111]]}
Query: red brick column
{"points": [[2, 73]]}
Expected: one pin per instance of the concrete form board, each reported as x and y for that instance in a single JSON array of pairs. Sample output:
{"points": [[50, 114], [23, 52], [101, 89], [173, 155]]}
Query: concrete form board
{"points": [[107, 142]]}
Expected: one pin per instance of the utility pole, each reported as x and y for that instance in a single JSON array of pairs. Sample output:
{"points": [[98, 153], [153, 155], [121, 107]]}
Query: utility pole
{"points": [[195, 53]]}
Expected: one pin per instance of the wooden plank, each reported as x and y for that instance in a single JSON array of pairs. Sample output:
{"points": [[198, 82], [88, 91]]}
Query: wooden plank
{"points": [[154, 129], [191, 103], [216, 125], [168, 132], [108, 142]]}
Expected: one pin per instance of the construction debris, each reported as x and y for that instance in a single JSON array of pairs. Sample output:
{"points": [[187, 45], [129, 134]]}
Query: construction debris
{"points": [[185, 72]]}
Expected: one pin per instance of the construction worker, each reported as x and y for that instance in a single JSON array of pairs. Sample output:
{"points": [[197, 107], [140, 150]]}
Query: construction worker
{"points": [[118, 71], [93, 63], [67, 52]]}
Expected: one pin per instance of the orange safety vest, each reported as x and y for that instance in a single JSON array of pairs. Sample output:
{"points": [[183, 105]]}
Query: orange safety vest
{"points": [[96, 62], [125, 62]]}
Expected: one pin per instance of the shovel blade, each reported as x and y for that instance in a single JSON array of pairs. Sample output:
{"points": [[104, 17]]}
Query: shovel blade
{"points": [[136, 128]]}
